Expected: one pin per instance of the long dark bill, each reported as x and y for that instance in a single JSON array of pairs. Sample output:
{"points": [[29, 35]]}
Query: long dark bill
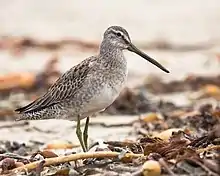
{"points": [[134, 49]]}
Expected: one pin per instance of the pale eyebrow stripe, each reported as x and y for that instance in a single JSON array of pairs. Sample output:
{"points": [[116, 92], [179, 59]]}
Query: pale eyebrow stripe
{"points": [[127, 39], [122, 34], [114, 31]]}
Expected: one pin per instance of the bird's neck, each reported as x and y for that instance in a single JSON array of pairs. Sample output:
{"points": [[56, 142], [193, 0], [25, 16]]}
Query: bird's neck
{"points": [[106, 47], [110, 53], [112, 59]]}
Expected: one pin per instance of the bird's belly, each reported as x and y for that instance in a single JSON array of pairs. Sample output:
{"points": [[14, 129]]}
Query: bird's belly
{"points": [[103, 99]]}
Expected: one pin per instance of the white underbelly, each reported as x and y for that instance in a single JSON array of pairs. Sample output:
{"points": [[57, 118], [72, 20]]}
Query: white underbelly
{"points": [[102, 100]]}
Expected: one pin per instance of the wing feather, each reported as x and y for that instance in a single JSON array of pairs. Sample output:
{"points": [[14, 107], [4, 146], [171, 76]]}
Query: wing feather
{"points": [[65, 87]]}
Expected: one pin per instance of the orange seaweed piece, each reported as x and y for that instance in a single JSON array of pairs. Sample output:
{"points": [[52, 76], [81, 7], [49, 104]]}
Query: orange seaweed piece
{"points": [[60, 145], [17, 80]]}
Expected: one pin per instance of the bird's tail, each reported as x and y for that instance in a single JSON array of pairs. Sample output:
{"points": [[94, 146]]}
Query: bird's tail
{"points": [[28, 116], [39, 115]]}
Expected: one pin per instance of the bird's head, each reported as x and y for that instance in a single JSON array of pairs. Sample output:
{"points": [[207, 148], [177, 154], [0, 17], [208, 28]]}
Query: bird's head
{"points": [[118, 37]]}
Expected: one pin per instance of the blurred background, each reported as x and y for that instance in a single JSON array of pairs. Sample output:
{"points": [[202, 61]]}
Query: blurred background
{"points": [[39, 40]]}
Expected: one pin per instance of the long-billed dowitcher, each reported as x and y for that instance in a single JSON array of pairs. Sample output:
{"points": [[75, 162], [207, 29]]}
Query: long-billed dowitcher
{"points": [[88, 87]]}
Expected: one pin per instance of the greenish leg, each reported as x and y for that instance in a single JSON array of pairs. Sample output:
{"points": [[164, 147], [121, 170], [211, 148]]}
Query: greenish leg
{"points": [[79, 134], [85, 133]]}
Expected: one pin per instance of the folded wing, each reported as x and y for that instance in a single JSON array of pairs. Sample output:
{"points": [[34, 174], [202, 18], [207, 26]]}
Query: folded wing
{"points": [[65, 87]]}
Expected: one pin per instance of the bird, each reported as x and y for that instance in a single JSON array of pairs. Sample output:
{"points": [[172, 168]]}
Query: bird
{"points": [[88, 87]]}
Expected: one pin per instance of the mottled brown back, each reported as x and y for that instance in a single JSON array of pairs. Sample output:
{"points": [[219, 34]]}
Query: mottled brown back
{"points": [[65, 87]]}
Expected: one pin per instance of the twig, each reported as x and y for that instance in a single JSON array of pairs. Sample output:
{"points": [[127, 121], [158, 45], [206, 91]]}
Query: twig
{"points": [[210, 172], [12, 155], [110, 125], [164, 164], [214, 147], [42, 131], [73, 157], [12, 125]]}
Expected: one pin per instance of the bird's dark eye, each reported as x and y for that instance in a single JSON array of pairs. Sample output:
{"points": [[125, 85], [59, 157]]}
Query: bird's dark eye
{"points": [[118, 34]]}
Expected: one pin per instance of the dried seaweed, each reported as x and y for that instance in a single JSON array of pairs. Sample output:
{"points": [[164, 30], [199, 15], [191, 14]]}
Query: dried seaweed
{"points": [[192, 82]]}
